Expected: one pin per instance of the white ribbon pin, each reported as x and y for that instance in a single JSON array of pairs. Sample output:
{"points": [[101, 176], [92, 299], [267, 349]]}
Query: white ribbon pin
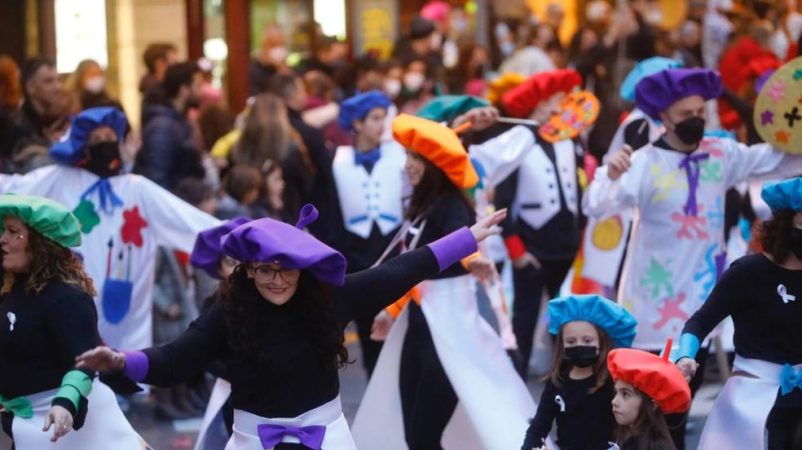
{"points": [[559, 400], [12, 319], [784, 294]]}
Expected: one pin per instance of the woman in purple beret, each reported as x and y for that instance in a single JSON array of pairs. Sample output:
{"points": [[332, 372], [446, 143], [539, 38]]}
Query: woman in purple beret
{"points": [[279, 330]]}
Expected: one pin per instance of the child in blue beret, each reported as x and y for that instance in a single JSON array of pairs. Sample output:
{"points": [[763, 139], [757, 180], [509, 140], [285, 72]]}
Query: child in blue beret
{"points": [[579, 389]]}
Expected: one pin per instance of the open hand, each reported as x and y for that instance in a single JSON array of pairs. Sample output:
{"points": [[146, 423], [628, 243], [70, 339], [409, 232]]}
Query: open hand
{"points": [[101, 359], [61, 419], [480, 118], [688, 368], [487, 226], [381, 326], [482, 268], [527, 259]]}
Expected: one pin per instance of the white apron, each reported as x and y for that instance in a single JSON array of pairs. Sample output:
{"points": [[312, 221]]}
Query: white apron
{"points": [[338, 436], [212, 418], [739, 414], [105, 423], [494, 405]]}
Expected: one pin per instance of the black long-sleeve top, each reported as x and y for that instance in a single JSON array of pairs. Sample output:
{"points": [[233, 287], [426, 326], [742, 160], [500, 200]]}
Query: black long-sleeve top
{"points": [[41, 334], [448, 213], [766, 327], [585, 422], [286, 379], [321, 192]]}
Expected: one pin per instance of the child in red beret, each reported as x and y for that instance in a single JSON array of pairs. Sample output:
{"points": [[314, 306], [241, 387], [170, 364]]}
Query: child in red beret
{"points": [[647, 387]]}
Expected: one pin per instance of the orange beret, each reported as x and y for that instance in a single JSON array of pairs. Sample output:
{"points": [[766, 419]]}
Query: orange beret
{"points": [[656, 377], [521, 100], [438, 144]]}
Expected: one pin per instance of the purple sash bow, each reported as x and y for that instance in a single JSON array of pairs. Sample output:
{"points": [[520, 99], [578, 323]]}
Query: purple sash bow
{"points": [[691, 165], [271, 435]]}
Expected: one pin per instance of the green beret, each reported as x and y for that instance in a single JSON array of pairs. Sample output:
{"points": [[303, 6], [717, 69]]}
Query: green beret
{"points": [[49, 218], [446, 108]]}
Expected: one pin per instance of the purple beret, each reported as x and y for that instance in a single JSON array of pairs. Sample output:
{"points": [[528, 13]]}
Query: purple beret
{"points": [[656, 93], [358, 106], [270, 241], [206, 253]]}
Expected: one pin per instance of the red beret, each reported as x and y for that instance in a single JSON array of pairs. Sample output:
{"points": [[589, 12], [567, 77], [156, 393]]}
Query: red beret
{"points": [[521, 100], [656, 377]]}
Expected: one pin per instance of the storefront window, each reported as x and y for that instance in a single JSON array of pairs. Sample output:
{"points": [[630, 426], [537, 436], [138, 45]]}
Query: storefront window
{"points": [[294, 17], [80, 33], [215, 48], [330, 14]]}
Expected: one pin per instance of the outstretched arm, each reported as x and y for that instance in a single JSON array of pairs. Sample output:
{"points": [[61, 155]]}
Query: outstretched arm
{"points": [[368, 291], [169, 364]]}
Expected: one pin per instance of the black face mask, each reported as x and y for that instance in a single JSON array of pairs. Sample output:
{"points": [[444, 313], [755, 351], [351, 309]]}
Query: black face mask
{"points": [[795, 242], [690, 131], [103, 159], [581, 355]]}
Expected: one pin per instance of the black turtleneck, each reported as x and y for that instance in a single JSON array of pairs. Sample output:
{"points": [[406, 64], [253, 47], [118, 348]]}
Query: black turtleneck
{"points": [[286, 378], [40, 336]]}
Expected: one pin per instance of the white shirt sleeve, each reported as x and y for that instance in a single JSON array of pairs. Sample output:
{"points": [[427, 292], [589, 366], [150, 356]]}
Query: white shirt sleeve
{"points": [[503, 154], [175, 223], [605, 197], [756, 162]]}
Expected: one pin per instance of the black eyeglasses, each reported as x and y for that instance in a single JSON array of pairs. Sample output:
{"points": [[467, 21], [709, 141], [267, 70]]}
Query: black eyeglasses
{"points": [[265, 273]]}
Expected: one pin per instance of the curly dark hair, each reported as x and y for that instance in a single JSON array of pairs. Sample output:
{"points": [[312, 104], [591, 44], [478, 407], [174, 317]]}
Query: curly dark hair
{"points": [[240, 298], [50, 262], [775, 233]]}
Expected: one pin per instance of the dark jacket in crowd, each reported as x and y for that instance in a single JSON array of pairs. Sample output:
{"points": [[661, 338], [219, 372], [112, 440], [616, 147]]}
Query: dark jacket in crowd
{"points": [[168, 152]]}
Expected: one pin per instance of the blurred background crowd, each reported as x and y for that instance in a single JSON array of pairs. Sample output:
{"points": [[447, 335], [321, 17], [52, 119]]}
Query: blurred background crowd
{"points": [[233, 104]]}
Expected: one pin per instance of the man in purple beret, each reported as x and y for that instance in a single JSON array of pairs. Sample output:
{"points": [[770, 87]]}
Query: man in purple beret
{"points": [[678, 184]]}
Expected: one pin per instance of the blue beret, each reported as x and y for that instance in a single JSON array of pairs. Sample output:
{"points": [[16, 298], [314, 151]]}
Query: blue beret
{"points": [[616, 321], [358, 106], [657, 92], [783, 194], [642, 70], [70, 149]]}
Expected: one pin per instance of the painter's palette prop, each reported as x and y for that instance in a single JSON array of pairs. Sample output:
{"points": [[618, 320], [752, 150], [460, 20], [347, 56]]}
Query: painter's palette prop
{"points": [[778, 110], [579, 110]]}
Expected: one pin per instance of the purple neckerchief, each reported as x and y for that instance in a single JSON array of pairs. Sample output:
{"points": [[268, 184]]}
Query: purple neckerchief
{"points": [[691, 165], [271, 435]]}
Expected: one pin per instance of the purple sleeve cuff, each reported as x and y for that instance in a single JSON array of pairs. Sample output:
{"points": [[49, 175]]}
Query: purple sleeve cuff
{"points": [[136, 365], [450, 249]]}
